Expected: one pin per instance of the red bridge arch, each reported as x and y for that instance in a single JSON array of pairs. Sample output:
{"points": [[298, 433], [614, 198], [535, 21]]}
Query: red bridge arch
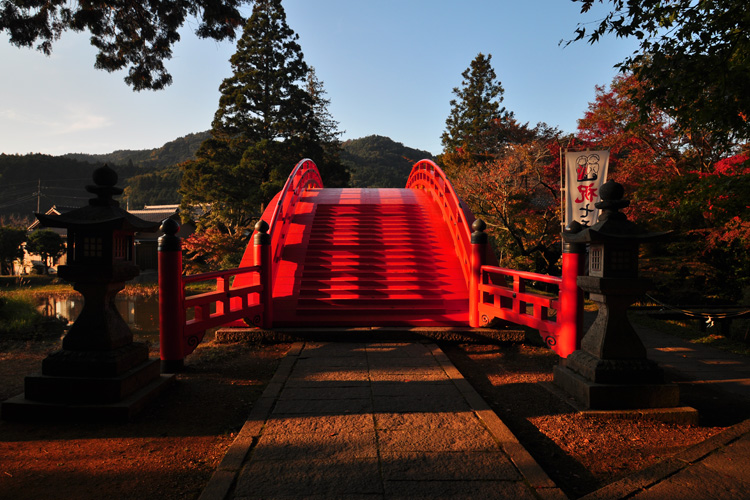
{"points": [[366, 257]]}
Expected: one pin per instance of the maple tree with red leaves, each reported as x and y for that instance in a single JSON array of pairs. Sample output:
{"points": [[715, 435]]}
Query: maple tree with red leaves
{"points": [[518, 196], [677, 180], [212, 250]]}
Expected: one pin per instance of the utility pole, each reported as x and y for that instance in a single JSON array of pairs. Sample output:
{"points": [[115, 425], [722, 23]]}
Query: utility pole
{"points": [[38, 194]]}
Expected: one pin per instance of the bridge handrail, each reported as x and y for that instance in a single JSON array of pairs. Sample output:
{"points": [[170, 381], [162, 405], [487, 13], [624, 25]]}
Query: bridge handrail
{"points": [[425, 174], [178, 335], [304, 175], [524, 275], [194, 278], [558, 317], [512, 302]]}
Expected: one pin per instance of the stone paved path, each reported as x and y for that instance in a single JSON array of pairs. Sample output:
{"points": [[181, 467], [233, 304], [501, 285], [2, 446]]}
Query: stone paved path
{"points": [[361, 421]]}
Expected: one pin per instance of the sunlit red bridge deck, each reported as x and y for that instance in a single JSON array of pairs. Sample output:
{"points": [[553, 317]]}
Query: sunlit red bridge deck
{"points": [[368, 257]]}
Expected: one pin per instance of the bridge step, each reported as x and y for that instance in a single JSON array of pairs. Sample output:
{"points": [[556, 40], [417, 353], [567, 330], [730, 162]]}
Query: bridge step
{"points": [[419, 297], [375, 265], [377, 285]]}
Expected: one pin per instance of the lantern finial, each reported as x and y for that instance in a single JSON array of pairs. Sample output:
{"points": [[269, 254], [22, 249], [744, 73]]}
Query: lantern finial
{"points": [[104, 187]]}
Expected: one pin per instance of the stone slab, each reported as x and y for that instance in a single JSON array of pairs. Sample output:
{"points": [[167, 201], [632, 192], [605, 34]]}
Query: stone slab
{"points": [[456, 466], [300, 478], [457, 490], [338, 447], [404, 429]]}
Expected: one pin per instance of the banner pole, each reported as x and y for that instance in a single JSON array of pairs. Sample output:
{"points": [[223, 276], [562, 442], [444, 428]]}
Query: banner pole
{"points": [[563, 189]]}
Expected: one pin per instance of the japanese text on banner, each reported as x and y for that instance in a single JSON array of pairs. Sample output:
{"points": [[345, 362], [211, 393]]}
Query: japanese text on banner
{"points": [[585, 172]]}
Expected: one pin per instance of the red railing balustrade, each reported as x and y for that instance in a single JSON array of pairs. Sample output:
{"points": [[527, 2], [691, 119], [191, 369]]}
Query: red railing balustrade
{"points": [[428, 176], [304, 176], [500, 293], [242, 295], [503, 294], [215, 308], [184, 319]]}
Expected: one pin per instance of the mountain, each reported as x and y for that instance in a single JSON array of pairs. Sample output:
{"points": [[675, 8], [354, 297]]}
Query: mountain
{"points": [[36, 182], [152, 177], [171, 153], [377, 161]]}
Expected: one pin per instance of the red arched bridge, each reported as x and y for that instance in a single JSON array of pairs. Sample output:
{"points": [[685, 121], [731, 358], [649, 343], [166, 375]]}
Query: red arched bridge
{"points": [[324, 257]]}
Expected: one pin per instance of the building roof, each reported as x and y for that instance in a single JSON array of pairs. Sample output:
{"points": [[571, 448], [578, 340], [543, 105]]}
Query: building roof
{"points": [[156, 213], [53, 210]]}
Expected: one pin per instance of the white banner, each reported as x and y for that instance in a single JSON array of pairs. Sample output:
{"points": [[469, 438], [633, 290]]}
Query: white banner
{"points": [[585, 172]]}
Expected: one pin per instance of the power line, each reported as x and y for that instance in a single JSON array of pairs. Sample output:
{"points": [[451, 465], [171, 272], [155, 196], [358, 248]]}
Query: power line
{"points": [[19, 184], [18, 201], [57, 196]]}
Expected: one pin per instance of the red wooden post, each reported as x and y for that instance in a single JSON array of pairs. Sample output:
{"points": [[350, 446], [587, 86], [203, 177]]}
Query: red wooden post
{"points": [[478, 259], [171, 311], [570, 315], [262, 242], [223, 306]]}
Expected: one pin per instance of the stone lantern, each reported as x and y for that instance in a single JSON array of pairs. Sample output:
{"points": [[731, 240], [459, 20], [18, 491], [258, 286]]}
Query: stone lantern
{"points": [[99, 371], [611, 370]]}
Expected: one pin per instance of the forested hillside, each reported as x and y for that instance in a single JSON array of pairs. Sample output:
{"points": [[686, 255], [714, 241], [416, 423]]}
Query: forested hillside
{"points": [[36, 180], [152, 177], [377, 161], [173, 152], [154, 188]]}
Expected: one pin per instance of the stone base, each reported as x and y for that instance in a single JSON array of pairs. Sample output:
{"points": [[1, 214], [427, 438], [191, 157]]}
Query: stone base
{"points": [[20, 409], [90, 390], [89, 385], [111, 363], [372, 334], [599, 396], [613, 371]]}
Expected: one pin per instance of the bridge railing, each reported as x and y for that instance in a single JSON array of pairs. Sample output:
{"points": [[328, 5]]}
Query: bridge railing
{"points": [[428, 176], [504, 294], [224, 304], [496, 292], [184, 319], [304, 176], [243, 294]]}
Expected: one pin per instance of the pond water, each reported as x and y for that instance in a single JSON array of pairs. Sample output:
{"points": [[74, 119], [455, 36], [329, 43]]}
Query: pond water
{"points": [[140, 312]]}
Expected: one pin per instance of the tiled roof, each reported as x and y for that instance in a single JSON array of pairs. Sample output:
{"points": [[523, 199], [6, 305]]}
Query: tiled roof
{"points": [[156, 213]]}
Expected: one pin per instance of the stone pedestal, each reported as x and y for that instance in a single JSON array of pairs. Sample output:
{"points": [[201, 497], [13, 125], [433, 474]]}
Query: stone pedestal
{"points": [[615, 384], [87, 398], [611, 370]]}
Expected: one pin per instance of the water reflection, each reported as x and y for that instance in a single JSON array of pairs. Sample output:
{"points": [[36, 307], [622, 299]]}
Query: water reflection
{"points": [[140, 312]]}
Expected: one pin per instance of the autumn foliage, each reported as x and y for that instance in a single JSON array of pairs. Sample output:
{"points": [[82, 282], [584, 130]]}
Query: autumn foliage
{"points": [[212, 250], [680, 180], [518, 196]]}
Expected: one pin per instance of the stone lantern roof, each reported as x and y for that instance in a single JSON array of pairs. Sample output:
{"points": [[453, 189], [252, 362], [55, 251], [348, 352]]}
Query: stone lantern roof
{"points": [[102, 212]]}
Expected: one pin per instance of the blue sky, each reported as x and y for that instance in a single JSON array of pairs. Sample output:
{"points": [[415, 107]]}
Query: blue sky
{"points": [[389, 67]]}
